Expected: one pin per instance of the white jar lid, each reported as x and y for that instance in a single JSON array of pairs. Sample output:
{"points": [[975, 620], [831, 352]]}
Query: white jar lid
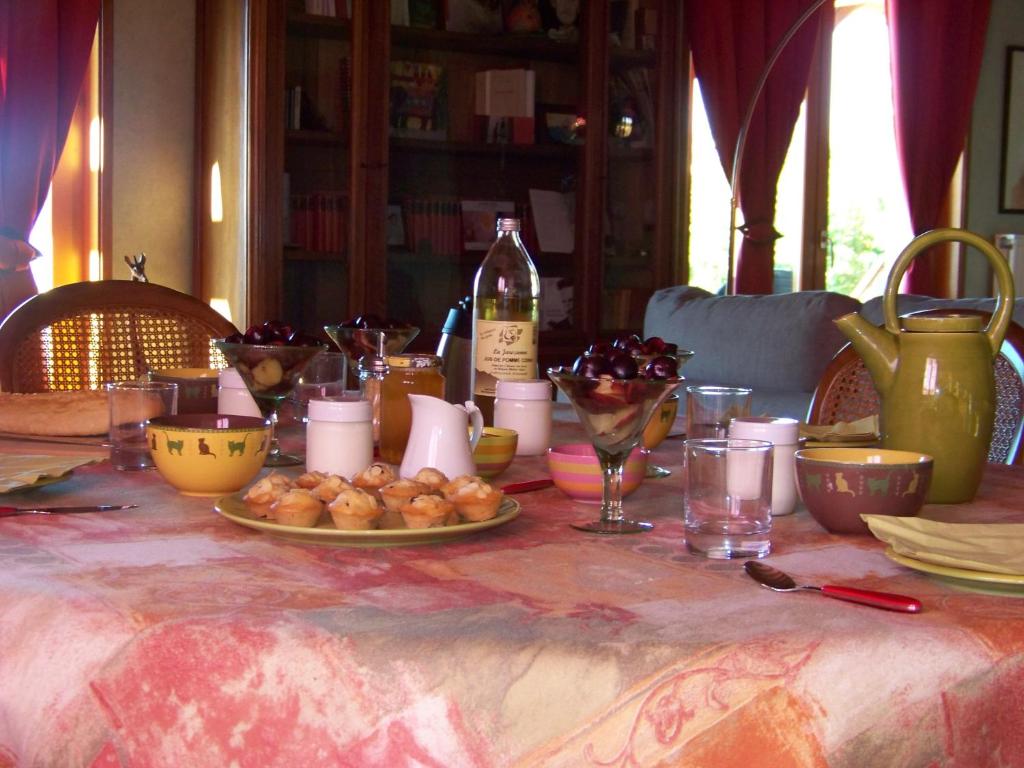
{"points": [[229, 378], [526, 389], [780, 430], [340, 409]]}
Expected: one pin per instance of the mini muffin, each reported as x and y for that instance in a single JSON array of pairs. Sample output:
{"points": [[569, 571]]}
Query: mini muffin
{"points": [[375, 477], [298, 507], [452, 487], [428, 511], [310, 480], [477, 501], [329, 489], [433, 478], [261, 496], [355, 510], [398, 493]]}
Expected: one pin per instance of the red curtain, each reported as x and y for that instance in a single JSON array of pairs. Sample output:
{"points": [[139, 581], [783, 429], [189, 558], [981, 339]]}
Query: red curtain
{"points": [[936, 47], [731, 41], [44, 52]]}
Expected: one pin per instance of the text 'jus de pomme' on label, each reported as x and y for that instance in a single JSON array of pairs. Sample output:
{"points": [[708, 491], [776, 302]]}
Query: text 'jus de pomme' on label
{"points": [[505, 350]]}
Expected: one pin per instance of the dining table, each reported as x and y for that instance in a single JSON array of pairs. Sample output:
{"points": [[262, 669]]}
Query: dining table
{"points": [[170, 635]]}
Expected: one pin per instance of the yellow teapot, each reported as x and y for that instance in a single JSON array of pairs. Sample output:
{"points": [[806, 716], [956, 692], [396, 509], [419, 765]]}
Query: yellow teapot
{"points": [[935, 375]]}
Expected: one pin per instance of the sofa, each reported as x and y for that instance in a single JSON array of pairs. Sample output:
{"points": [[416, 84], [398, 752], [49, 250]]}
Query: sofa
{"points": [[778, 345]]}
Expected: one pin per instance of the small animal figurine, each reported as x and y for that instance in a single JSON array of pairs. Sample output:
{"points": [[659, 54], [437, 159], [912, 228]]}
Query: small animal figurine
{"points": [[137, 264]]}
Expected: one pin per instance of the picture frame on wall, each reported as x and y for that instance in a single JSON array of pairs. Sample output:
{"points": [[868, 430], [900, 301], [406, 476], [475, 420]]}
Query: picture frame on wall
{"points": [[1011, 177]]}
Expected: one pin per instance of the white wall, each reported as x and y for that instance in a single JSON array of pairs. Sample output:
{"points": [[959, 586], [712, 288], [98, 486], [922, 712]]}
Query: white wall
{"points": [[1006, 27], [153, 138]]}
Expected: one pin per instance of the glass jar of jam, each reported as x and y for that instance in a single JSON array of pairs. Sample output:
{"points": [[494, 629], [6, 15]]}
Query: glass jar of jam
{"points": [[417, 374]]}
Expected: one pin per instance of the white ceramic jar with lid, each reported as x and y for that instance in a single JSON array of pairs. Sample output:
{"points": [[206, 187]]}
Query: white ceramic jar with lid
{"points": [[784, 434], [233, 397], [339, 436], [525, 406]]}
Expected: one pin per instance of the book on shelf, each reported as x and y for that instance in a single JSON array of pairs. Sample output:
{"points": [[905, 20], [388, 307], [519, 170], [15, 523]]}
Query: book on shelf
{"points": [[418, 100], [504, 104], [344, 95], [341, 9], [479, 222], [319, 221], [431, 225], [400, 13]]}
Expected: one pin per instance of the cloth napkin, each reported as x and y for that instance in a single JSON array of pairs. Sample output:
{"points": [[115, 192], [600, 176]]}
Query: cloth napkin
{"points": [[843, 431], [21, 471], [990, 548]]}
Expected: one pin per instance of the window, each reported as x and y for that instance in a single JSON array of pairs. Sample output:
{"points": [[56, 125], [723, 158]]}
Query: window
{"points": [[66, 232], [861, 206]]}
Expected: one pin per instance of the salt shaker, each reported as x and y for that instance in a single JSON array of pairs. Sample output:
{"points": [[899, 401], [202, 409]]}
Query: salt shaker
{"points": [[783, 434], [233, 396], [525, 406], [339, 436]]}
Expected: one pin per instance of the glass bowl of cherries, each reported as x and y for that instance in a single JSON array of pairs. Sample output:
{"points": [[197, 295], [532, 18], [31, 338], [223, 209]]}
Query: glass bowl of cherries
{"points": [[614, 389]]}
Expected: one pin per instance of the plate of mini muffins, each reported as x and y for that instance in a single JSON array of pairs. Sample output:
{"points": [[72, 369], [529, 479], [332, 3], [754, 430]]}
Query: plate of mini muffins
{"points": [[373, 509]]}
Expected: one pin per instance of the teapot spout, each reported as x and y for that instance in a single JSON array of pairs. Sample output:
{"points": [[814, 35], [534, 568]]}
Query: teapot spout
{"points": [[875, 345]]}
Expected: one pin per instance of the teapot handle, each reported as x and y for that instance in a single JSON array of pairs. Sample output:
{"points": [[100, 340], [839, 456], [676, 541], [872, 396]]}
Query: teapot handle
{"points": [[1003, 312], [476, 420]]}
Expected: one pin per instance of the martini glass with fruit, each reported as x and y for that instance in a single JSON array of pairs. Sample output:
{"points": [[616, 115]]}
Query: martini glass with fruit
{"points": [[270, 358], [661, 420], [367, 334], [614, 397]]}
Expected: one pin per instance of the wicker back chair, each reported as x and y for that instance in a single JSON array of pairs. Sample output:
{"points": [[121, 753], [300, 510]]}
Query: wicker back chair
{"points": [[84, 335], [845, 391]]}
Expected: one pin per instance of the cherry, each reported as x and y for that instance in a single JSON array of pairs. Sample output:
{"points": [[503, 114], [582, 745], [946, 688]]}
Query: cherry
{"points": [[655, 345], [623, 366], [599, 348], [254, 335], [235, 338], [591, 366], [662, 367]]}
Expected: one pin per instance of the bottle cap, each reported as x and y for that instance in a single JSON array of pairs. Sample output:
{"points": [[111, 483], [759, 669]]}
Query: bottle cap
{"points": [[527, 389], [341, 409], [229, 378], [508, 225], [779, 430]]}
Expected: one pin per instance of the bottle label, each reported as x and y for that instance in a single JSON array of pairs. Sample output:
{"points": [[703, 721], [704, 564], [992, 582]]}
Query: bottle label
{"points": [[504, 350]]}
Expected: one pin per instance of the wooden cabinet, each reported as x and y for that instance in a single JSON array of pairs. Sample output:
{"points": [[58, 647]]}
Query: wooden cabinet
{"points": [[332, 165]]}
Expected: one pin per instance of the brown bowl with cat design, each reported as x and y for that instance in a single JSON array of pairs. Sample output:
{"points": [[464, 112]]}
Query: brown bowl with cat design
{"points": [[838, 485], [208, 454]]}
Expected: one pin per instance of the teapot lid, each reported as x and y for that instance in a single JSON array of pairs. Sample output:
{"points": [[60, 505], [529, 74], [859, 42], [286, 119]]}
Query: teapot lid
{"points": [[951, 323]]}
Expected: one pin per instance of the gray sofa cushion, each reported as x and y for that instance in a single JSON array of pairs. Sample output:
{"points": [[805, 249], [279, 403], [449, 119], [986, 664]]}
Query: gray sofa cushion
{"points": [[776, 342], [911, 302]]}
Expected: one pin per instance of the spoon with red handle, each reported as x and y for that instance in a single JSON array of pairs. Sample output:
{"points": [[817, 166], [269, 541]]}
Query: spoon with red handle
{"points": [[12, 511], [776, 580]]}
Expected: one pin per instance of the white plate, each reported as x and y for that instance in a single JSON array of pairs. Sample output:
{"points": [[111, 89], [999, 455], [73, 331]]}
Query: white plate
{"points": [[234, 509]]}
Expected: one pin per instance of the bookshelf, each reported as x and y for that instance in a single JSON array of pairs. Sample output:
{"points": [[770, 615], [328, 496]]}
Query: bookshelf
{"points": [[326, 124]]}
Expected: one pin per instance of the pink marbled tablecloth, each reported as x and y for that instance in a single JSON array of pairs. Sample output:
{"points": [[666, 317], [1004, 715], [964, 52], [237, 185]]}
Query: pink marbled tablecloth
{"points": [[168, 636]]}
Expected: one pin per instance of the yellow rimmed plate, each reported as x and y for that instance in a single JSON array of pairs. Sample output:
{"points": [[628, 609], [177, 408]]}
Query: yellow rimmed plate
{"points": [[234, 509], [977, 581]]}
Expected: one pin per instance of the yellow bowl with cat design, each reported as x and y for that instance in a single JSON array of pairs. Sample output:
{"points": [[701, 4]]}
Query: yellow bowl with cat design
{"points": [[838, 485], [208, 454]]}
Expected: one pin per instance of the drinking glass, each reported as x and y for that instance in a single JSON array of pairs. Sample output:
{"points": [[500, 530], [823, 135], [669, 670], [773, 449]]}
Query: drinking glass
{"points": [[131, 404], [710, 409], [613, 413], [323, 377], [270, 372], [727, 497]]}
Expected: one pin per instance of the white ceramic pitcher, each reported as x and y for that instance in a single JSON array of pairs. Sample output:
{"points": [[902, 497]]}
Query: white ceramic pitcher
{"points": [[439, 438]]}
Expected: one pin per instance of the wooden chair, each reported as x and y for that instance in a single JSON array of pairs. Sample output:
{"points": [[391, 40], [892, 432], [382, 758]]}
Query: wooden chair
{"points": [[845, 391], [84, 335]]}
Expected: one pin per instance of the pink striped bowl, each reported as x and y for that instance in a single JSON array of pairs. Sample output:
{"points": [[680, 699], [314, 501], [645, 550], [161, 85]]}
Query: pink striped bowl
{"points": [[576, 472]]}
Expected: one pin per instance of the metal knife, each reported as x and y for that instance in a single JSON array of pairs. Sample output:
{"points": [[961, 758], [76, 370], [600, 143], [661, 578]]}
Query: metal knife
{"points": [[12, 511]]}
